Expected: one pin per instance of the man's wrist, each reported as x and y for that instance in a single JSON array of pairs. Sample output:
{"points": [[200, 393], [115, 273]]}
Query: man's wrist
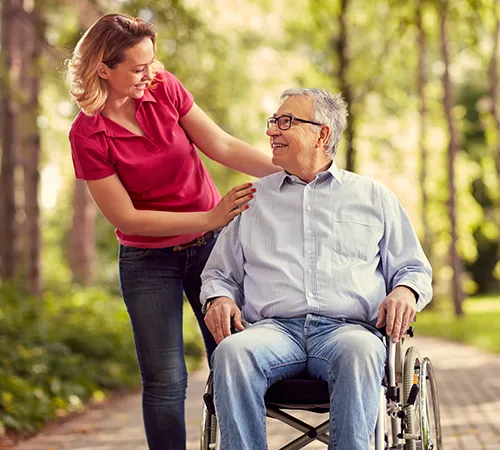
{"points": [[208, 304], [413, 291]]}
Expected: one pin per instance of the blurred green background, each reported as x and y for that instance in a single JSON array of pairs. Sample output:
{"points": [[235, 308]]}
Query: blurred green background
{"points": [[422, 82]]}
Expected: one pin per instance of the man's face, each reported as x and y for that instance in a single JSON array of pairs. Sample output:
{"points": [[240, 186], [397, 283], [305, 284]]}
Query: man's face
{"points": [[295, 149], [131, 77]]}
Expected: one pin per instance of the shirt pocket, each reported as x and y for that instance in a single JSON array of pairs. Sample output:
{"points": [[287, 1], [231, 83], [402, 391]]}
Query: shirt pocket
{"points": [[355, 239]]}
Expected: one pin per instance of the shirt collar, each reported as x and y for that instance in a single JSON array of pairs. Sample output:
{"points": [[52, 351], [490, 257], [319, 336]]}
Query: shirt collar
{"points": [[100, 124], [94, 124], [332, 171], [335, 171]]}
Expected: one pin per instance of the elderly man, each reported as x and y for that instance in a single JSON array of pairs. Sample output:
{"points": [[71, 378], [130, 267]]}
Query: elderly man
{"points": [[322, 257]]}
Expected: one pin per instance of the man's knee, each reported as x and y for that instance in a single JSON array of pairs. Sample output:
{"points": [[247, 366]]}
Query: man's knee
{"points": [[231, 351]]}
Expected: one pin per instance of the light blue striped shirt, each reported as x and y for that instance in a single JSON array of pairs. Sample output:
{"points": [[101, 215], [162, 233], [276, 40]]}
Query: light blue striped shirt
{"points": [[334, 247]]}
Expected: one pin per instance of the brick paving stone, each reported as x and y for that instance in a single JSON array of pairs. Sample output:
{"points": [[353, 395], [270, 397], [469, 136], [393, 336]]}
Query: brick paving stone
{"points": [[468, 383]]}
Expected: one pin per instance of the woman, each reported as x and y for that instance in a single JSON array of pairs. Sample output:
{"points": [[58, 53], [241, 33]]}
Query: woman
{"points": [[133, 143]]}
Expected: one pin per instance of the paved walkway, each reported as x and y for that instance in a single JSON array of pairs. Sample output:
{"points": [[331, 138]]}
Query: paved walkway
{"points": [[469, 388]]}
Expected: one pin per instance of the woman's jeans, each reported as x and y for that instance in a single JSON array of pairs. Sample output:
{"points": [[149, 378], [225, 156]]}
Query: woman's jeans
{"points": [[344, 353], [152, 282]]}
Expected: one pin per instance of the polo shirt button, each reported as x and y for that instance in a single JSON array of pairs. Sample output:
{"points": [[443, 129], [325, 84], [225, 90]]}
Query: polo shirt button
{"points": [[309, 208], [310, 294]]}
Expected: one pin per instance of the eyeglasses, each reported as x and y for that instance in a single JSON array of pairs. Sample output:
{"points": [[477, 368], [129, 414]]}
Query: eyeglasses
{"points": [[285, 121]]}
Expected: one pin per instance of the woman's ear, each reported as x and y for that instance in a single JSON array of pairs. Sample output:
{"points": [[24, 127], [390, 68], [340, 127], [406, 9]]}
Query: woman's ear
{"points": [[103, 71]]}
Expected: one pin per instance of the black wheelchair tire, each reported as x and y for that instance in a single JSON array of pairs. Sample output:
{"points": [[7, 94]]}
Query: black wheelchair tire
{"points": [[424, 418], [208, 430], [411, 376], [430, 417]]}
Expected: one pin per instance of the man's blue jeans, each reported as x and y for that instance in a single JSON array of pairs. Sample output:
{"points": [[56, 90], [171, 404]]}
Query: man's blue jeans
{"points": [[152, 283], [345, 354]]}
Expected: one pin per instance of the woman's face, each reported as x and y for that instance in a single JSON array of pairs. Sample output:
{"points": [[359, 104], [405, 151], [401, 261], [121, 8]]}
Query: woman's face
{"points": [[130, 78]]}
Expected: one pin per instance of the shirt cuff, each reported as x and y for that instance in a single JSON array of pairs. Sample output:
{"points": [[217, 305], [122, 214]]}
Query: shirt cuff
{"points": [[209, 291], [423, 295]]}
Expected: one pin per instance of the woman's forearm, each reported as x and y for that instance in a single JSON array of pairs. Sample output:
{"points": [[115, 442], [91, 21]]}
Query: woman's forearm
{"points": [[223, 147], [164, 223], [242, 157], [115, 204]]}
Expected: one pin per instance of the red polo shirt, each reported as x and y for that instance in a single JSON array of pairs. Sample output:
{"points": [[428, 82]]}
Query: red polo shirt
{"points": [[161, 171]]}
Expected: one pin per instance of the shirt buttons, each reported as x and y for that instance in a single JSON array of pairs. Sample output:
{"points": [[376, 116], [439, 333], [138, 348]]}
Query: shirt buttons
{"points": [[310, 271], [309, 208], [309, 230], [310, 294], [309, 252]]}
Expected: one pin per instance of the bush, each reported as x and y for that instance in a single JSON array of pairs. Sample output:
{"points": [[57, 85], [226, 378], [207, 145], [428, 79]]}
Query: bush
{"points": [[59, 352]]}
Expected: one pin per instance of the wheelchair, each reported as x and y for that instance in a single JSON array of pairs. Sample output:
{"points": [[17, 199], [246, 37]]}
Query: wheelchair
{"points": [[408, 418]]}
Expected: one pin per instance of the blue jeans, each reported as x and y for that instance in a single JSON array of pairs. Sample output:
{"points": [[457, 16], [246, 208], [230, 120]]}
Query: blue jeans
{"points": [[345, 354], [152, 282]]}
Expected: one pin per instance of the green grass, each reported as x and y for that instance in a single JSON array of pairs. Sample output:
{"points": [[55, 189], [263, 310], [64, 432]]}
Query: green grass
{"points": [[480, 325]]}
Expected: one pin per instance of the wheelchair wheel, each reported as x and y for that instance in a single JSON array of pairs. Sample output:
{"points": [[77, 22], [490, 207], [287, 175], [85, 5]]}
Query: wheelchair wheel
{"points": [[208, 430], [423, 421], [431, 417]]}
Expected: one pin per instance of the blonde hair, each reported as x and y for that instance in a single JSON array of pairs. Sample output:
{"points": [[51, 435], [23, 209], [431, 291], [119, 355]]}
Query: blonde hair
{"points": [[105, 41]]}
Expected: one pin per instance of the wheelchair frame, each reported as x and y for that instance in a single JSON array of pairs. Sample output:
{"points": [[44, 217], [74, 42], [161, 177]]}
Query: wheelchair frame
{"points": [[408, 418]]}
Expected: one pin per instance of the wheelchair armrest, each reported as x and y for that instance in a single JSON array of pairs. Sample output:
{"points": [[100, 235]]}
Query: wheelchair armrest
{"points": [[410, 331]]}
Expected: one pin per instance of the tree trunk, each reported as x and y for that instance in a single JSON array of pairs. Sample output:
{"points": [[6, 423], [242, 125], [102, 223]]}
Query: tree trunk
{"points": [[9, 110], [342, 48], [424, 113], [81, 250], [455, 261], [493, 78], [31, 150]]}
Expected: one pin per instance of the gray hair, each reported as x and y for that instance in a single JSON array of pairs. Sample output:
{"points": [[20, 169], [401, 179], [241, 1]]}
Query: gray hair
{"points": [[329, 109]]}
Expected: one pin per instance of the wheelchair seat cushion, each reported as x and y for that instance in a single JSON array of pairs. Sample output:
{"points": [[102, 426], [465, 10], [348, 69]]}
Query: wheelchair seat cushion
{"points": [[312, 395]]}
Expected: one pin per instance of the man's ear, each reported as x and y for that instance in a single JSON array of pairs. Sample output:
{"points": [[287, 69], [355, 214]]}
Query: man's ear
{"points": [[324, 134], [103, 71]]}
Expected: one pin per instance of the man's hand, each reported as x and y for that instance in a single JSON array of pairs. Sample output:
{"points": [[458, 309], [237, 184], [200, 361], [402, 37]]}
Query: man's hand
{"points": [[397, 311], [219, 316]]}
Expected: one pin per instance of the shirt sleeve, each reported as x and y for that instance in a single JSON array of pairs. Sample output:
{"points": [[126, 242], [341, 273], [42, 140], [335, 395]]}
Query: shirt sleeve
{"points": [[178, 94], [224, 272], [89, 162], [403, 260]]}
